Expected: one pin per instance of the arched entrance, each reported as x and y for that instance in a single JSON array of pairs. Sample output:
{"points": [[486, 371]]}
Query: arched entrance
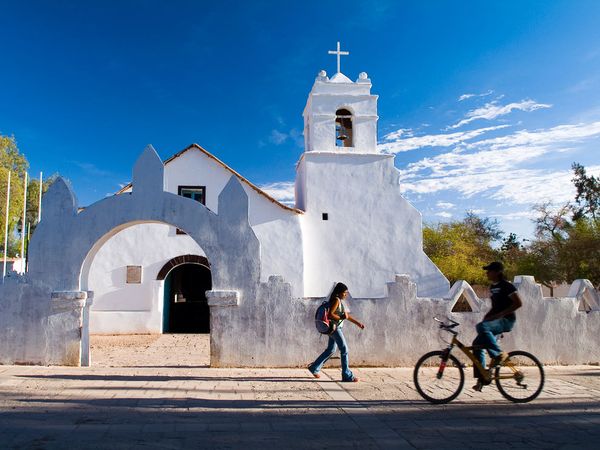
{"points": [[185, 307], [65, 244]]}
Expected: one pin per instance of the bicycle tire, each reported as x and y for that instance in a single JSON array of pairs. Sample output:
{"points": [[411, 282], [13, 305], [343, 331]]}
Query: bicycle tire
{"points": [[535, 368], [437, 354]]}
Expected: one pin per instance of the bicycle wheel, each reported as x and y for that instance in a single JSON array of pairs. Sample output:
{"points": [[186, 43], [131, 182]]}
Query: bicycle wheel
{"points": [[520, 378], [436, 383]]}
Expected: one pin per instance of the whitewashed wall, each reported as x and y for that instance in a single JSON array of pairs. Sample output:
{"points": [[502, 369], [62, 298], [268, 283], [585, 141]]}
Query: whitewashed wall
{"points": [[277, 229], [38, 326], [137, 308], [372, 232], [120, 307], [400, 327]]}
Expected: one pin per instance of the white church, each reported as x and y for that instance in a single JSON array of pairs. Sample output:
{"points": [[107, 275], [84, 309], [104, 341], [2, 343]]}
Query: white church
{"points": [[350, 223], [191, 246]]}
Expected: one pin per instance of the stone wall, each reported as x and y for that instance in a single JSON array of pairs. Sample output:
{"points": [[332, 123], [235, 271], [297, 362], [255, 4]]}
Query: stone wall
{"points": [[38, 326], [278, 330], [268, 327]]}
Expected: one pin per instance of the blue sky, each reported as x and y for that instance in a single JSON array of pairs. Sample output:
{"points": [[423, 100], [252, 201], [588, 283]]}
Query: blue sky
{"points": [[486, 104]]}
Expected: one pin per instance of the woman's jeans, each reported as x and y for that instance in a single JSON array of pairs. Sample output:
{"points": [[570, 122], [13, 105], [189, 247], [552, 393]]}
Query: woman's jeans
{"points": [[336, 339], [486, 338]]}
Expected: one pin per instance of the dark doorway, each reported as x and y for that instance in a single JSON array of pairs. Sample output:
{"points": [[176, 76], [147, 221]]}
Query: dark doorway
{"points": [[185, 305]]}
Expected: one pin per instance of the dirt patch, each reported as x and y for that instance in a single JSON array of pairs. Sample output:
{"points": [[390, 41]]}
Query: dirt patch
{"points": [[150, 350]]}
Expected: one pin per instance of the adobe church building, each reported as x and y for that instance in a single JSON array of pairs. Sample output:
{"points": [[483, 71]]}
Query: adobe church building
{"points": [[192, 246], [350, 223]]}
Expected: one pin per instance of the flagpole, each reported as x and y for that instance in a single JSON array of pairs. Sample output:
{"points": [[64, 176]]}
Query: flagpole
{"points": [[27, 251], [6, 228], [40, 199], [24, 223]]}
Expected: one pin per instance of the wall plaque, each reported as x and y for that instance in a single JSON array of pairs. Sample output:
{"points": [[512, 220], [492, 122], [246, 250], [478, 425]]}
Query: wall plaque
{"points": [[134, 274]]}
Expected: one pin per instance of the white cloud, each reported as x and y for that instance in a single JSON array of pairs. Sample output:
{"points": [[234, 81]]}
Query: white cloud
{"points": [[445, 205], [283, 191], [467, 96], [395, 143], [277, 137], [280, 137], [516, 215], [399, 133], [444, 214], [494, 167], [493, 110], [555, 136], [516, 186]]}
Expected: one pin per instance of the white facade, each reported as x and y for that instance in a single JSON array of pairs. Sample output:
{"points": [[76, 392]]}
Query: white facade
{"points": [[138, 308], [357, 227], [352, 224]]}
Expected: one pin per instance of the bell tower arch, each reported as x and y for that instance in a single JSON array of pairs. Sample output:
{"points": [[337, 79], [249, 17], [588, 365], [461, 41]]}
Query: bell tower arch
{"points": [[338, 107]]}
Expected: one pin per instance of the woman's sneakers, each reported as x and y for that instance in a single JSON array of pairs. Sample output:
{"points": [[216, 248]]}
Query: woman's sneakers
{"points": [[314, 374], [350, 380]]}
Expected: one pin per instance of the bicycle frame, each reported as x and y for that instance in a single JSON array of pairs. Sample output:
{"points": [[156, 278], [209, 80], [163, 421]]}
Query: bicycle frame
{"points": [[468, 351]]}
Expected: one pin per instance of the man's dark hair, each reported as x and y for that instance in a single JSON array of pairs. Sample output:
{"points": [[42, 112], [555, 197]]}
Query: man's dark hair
{"points": [[495, 266]]}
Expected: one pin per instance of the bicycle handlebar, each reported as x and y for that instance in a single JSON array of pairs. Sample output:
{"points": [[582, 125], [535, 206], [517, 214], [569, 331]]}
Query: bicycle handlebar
{"points": [[447, 326]]}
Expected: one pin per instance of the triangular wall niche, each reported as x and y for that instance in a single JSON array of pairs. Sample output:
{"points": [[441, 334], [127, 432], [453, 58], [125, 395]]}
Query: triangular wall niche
{"points": [[462, 304]]}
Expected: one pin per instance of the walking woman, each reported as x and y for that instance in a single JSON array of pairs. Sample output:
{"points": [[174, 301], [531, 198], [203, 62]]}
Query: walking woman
{"points": [[338, 314]]}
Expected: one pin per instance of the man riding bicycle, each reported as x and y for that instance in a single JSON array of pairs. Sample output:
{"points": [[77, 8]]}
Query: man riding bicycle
{"points": [[500, 319]]}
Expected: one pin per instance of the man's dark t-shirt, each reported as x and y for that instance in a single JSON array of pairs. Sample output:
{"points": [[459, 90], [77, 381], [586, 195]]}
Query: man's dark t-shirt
{"points": [[500, 298]]}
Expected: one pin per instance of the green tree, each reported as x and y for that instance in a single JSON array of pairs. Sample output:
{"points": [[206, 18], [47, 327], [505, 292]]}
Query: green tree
{"points": [[566, 247], [588, 193], [545, 254], [580, 252], [15, 162], [512, 252], [461, 248]]}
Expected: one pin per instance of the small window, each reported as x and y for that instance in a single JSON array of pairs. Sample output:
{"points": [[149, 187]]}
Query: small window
{"points": [[134, 274], [197, 193], [325, 216], [343, 128]]}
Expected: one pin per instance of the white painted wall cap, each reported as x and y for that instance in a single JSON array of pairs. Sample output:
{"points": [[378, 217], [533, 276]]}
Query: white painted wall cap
{"points": [[69, 295], [223, 298], [340, 78]]}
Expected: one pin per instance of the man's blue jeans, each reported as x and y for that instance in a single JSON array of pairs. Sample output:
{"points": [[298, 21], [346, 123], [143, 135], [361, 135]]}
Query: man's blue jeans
{"points": [[486, 338], [336, 339]]}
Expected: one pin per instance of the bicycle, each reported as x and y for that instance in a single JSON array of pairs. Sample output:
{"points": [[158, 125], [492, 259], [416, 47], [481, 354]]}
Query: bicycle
{"points": [[439, 376]]}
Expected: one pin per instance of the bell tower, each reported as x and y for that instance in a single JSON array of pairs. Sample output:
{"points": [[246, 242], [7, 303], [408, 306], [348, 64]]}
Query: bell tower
{"points": [[341, 115], [356, 227]]}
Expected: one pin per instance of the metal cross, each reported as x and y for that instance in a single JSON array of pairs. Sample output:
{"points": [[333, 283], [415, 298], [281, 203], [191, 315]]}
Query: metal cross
{"points": [[339, 53]]}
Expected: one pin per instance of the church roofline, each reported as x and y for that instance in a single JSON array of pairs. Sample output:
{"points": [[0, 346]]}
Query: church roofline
{"points": [[225, 166]]}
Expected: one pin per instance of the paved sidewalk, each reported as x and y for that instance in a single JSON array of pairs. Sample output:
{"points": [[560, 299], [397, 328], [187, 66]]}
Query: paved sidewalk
{"points": [[151, 392]]}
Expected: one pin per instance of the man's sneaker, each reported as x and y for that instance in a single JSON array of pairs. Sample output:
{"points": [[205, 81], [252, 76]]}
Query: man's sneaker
{"points": [[479, 386], [498, 360]]}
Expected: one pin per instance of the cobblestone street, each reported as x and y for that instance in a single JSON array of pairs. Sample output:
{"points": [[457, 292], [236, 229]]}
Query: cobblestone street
{"points": [[158, 392]]}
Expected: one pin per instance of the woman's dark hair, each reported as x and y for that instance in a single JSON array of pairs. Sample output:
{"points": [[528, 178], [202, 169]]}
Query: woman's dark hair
{"points": [[337, 292]]}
